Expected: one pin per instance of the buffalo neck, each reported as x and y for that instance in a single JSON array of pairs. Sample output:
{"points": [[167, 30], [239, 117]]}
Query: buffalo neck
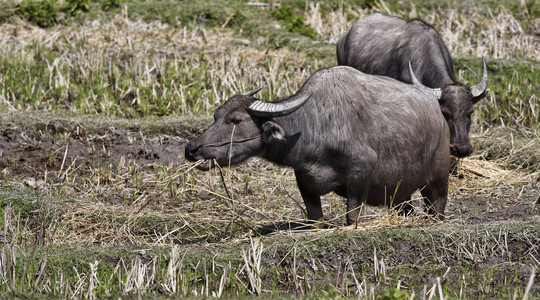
{"points": [[285, 152]]}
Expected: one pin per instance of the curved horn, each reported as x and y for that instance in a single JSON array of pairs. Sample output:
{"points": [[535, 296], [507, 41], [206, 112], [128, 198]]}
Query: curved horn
{"points": [[268, 110], [437, 92], [479, 89], [253, 91]]}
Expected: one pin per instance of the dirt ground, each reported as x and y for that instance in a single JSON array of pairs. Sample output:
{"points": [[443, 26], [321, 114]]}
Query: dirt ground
{"points": [[481, 191], [27, 153]]}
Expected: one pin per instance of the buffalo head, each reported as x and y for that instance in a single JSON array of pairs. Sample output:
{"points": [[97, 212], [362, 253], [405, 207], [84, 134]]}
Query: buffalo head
{"points": [[242, 126], [457, 104]]}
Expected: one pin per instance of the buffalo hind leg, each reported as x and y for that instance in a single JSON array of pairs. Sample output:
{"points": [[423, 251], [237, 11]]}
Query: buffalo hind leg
{"points": [[435, 197]]}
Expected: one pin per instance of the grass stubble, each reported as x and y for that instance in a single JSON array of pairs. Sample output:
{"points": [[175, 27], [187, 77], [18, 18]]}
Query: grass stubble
{"points": [[117, 221], [129, 68]]}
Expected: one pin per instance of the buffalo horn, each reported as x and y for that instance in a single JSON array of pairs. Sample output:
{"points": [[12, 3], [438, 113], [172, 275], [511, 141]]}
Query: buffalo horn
{"points": [[253, 91], [481, 87], [269, 110], [437, 92]]}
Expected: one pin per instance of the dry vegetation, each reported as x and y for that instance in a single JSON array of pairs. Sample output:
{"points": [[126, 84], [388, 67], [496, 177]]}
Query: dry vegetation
{"points": [[472, 32], [130, 56], [133, 218], [136, 68]]}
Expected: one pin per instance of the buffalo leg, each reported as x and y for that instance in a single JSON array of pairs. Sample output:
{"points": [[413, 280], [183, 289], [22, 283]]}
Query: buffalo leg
{"points": [[356, 200], [405, 208], [435, 197], [311, 200], [358, 185]]}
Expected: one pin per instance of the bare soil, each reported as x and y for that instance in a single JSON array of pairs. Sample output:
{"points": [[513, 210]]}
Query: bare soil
{"points": [[29, 153]]}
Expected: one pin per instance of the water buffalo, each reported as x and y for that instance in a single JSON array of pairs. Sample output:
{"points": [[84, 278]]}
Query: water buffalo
{"points": [[385, 45], [371, 139]]}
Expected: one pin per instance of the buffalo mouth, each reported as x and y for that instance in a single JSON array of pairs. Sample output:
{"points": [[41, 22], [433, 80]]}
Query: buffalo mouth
{"points": [[453, 150], [206, 164], [460, 152], [204, 161], [201, 162], [209, 159]]}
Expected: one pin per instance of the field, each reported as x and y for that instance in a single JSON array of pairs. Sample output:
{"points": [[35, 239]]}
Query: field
{"points": [[97, 102]]}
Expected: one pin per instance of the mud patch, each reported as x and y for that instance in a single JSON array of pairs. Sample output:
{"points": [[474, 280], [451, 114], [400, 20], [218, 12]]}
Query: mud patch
{"points": [[28, 153]]}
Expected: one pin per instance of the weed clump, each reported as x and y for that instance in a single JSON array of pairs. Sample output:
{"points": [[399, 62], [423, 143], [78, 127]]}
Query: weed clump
{"points": [[78, 6], [236, 19], [108, 5], [294, 23], [394, 294], [369, 4], [42, 13]]}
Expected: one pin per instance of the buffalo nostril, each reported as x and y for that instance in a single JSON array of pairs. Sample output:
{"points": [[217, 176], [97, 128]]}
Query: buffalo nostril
{"points": [[191, 149], [453, 150], [461, 150]]}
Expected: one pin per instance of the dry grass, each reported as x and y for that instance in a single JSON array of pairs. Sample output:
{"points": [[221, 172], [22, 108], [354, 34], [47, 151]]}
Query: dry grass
{"points": [[472, 32], [133, 62], [132, 205], [488, 173], [142, 53], [299, 263]]}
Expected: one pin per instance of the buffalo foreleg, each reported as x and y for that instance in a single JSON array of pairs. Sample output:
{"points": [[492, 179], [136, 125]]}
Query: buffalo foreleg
{"points": [[405, 208], [355, 205], [311, 200], [356, 201]]}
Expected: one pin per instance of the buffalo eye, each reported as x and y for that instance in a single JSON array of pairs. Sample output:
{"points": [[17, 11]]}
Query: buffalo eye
{"points": [[447, 113], [234, 120], [447, 116]]}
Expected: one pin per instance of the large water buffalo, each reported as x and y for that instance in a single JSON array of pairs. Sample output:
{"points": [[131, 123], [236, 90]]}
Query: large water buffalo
{"points": [[371, 139], [385, 45]]}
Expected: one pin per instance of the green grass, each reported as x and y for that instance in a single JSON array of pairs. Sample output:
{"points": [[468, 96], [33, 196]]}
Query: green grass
{"points": [[112, 87], [137, 80], [236, 14], [322, 263], [513, 91]]}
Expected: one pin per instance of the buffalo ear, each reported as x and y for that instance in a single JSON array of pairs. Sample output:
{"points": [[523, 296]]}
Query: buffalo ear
{"points": [[484, 94], [273, 132]]}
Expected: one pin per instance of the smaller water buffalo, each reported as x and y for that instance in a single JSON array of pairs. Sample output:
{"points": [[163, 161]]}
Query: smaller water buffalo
{"points": [[385, 45], [371, 139]]}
